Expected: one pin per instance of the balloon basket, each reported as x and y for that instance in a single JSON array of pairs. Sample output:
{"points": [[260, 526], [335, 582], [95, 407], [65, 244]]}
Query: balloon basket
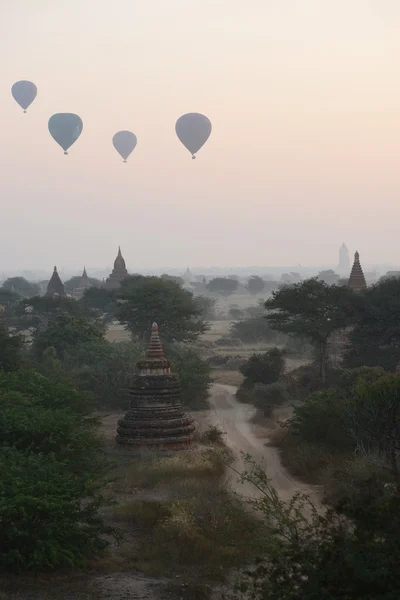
{"points": [[66, 153], [24, 112], [193, 157], [125, 161]]}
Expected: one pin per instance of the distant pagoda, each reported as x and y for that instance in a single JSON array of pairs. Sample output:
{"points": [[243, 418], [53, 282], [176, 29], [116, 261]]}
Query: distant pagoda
{"points": [[344, 261], [55, 287], [119, 273], [155, 418], [357, 280], [84, 285]]}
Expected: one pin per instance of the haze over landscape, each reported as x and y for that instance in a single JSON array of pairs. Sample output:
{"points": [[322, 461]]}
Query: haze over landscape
{"points": [[303, 97]]}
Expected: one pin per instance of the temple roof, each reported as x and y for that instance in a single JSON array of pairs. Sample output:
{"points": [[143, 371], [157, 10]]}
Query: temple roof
{"points": [[55, 285], [119, 263], [84, 275], [357, 280]]}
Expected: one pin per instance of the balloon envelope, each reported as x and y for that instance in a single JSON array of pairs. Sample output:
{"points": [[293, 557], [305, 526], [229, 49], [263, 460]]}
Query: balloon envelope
{"points": [[193, 130], [65, 128], [24, 92], [124, 143]]}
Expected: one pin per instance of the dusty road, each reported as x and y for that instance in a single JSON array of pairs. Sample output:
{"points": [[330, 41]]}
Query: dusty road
{"points": [[233, 417]]}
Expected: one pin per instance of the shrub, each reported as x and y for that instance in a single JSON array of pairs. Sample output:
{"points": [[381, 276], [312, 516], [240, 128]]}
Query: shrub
{"points": [[194, 376], [253, 330], [42, 523], [264, 368], [268, 397], [321, 420]]}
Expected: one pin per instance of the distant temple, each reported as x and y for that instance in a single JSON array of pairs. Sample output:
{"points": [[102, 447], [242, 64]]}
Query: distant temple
{"points": [[357, 280], [119, 273], [84, 285], [55, 287], [344, 260], [188, 276], [155, 417]]}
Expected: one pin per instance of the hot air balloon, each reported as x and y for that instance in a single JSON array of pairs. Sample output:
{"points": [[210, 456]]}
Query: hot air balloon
{"points": [[65, 128], [124, 143], [193, 130], [24, 92]]}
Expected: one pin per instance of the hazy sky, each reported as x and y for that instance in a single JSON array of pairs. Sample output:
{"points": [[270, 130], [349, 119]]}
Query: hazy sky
{"points": [[304, 98]]}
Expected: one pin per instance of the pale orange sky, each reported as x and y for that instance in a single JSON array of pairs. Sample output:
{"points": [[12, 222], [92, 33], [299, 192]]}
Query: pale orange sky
{"points": [[304, 98]]}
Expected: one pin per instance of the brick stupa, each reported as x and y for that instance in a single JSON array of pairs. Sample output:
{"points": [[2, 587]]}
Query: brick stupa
{"points": [[357, 280], [155, 418]]}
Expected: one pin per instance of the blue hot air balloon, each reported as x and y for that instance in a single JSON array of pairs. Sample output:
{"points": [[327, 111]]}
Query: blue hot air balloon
{"points": [[193, 130], [65, 128], [24, 92], [124, 143]]}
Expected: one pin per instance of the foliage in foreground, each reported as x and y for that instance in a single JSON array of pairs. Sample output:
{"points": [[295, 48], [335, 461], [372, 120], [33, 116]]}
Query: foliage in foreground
{"points": [[50, 462], [311, 555]]}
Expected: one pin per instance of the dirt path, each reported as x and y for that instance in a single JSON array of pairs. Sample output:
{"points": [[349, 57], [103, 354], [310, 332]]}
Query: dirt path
{"points": [[233, 417]]}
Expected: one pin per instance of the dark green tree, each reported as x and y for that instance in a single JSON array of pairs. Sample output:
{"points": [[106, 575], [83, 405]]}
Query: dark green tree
{"points": [[375, 337], [313, 310], [263, 368], [100, 301], [71, 284], [175, 278], [255, 285], [63, 333], [10, 350], [21, 286], [151, 299], [222, 286], [329, 277], [374, 422]]}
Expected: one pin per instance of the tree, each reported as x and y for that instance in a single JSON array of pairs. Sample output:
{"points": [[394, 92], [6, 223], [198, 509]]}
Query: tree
{"points": [[50, 467], [206, 306], [374, 423], [21, 286], [101, 301], [34, 314], [150, 299], [263, 368], [63, 333], [375, 337], [223, 286], [254, 329], [175, 278], [71, 284], [255, 285], [10, 350], [312, 310], [194, 376], [329, 277]]}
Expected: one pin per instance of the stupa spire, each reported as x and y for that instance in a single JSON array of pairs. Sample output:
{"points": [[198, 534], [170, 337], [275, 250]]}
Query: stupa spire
{"points": [[155, 349], [357, 280]]}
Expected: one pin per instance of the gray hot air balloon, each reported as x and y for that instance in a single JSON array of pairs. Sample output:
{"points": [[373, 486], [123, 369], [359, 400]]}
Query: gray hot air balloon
{"points": [[24, 92], [65, 128], [193, 130], [124, 143]]}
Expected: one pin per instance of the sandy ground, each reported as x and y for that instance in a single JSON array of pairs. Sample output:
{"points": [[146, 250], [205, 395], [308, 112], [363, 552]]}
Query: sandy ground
{"points": [[241, 436]]}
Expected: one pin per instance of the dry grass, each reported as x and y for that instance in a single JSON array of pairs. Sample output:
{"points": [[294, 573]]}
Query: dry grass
{"points": [[227, 377]]}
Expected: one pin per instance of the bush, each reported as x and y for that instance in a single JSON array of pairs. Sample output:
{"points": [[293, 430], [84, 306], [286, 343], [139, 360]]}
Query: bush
{"points": [[264, 368], [105, 369], [321, 420], [268, 397], [194, 376], [42, 523], [253, 330]]}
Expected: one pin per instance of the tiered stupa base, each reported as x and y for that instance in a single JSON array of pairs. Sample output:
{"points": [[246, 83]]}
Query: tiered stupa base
{"points": [[168, 429], [156, 418]]}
